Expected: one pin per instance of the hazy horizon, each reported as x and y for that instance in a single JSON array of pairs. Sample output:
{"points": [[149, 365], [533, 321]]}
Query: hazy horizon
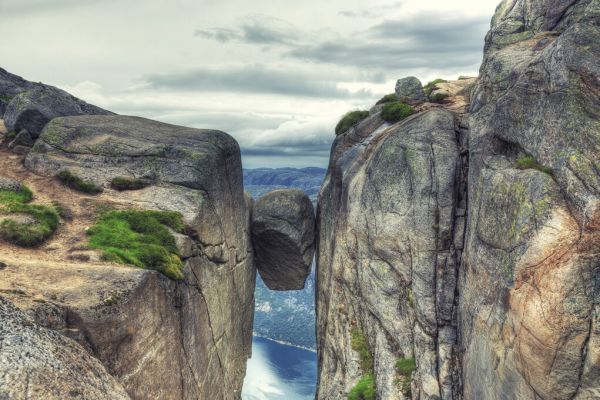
{"points": [[275, 78]]}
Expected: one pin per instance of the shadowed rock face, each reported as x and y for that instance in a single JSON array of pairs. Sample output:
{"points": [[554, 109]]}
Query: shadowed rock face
{"points": [[283, 232], [506, 308], [39, 363]]}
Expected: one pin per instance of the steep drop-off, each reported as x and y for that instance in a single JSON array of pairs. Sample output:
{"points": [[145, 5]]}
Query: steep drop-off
{"points": [[469, 242]]}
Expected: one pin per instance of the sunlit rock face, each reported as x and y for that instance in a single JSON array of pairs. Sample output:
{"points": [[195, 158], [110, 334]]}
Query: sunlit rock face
{"points": [[469, 239]]}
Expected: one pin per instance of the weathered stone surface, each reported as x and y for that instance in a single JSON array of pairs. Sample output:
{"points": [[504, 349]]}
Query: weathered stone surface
{"points": [[529, 292], [23, 138], [386, 258], [34, 108], [9, 184], [410, 90], [10, 86], [159, 338], [39, 363], [508, 307], [283, 235]]}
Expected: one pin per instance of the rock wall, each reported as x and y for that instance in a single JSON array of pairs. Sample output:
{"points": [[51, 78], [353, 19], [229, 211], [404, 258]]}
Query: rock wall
{"points": [[158, 337], [470, 242]]}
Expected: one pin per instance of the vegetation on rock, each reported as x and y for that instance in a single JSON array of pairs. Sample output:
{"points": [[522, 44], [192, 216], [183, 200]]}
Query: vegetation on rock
{"points": [[45, 219], [405, 368], [365, 387], [438, 97], [396, 111], [121, 183], [528, 162], [388, 98], [431, 86], [140, 238], [76, 183], [349, 120]]}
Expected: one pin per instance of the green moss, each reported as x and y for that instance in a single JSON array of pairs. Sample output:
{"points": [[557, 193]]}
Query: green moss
{"points": [[528, 162], [76, 183], [388, 98], [349, 120], [359, 344], [139, 238], [396, 111], [26, 235], [364, 389], [431, 86], [438, 97], [122, 183], [405, 367]]}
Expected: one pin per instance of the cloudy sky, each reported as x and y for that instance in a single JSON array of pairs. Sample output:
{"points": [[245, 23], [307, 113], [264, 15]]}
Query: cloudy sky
{"points": [[275, 74]]}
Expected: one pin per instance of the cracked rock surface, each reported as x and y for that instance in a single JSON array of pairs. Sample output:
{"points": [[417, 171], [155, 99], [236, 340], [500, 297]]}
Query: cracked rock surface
{"points": [[471, 241]]}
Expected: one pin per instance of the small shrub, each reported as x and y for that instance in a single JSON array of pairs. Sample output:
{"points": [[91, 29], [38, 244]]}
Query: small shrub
{"points": [[349, 120], [438, 97], [528, 162], [431, 86], [140, 238], [76, 183], [364, 389], [26, 235], [396, 111], [405, 368], [388, 98], [359, 344], [122, 183]]}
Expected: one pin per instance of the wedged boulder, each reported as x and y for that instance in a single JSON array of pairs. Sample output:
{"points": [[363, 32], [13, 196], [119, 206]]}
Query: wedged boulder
{"points": [[34, 108], [410, 90], [39, 363], [283, 236]]}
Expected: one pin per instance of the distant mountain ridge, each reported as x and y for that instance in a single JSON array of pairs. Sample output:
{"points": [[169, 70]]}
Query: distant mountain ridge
{"points": [[308, 179]]}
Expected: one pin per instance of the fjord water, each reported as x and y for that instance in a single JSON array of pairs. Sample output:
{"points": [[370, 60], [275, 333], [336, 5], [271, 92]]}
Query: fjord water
{"points": [[278, 371]]}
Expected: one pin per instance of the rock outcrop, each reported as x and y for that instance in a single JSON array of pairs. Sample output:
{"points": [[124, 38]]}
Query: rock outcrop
{"points": [[159, 338], [39, 363], [30, 106], [468, 239], [283, 236], [410, 90]]}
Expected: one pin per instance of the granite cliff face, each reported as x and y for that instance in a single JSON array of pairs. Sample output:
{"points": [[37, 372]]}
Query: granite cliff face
{"points": [[140, 334], [465, 237]]}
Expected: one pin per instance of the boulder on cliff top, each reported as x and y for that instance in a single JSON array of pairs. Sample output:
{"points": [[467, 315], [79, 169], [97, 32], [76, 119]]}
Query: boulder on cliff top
{"points": [[37, 362], [410, 89], [283, 235], [34, 108]]}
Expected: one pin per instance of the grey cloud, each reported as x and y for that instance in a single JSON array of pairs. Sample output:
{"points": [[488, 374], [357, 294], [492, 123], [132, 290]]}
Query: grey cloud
{"points": [[426, 41], [256, 29], [10, 8], [373, 12], [256, 78]]}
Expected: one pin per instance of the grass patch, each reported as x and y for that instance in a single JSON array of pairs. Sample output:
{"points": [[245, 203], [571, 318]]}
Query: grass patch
{"points": [[396, 111], [431, 86], [364, 389], [405, 368], [76, 183], [528, 162], [140, 238], [121, 183], [349, 120], [26, 235], [388, 98], [438, 97]]}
